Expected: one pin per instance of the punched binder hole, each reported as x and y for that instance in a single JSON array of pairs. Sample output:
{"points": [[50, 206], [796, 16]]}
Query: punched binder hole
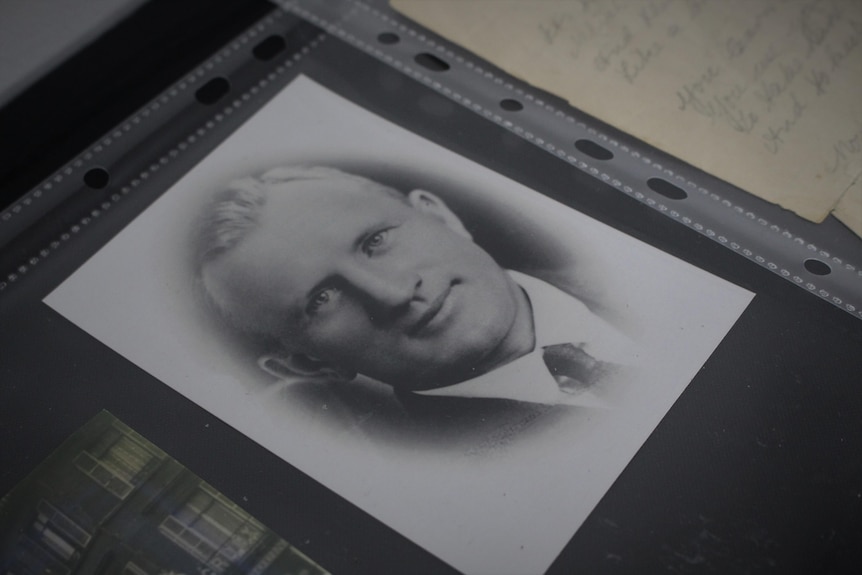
{"points": [[817, 267], [212, 91], [97, 178], [431, 62], [511, 105], [666, 189], [594, 150], [388, 38], [269, 48]]}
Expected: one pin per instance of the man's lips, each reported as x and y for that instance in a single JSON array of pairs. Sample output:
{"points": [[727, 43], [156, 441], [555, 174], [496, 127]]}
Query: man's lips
{"points": [[430, 312]]}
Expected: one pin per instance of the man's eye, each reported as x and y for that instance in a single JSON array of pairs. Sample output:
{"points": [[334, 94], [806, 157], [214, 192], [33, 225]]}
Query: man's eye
{"points": [[375, 241], [320, 299]]}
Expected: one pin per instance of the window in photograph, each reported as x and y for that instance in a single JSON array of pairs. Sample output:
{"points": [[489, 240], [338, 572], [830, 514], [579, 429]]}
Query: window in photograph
{"points": [[56, 543], [212, 529], [51, 518], [117, 462], [132, 569], [31, 558]]}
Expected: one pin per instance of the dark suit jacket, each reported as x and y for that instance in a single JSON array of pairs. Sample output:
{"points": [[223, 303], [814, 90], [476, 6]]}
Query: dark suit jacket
{"points": [[477, 425], [451, 424]]}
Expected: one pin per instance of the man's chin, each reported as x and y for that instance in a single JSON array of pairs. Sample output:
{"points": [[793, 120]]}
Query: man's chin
{"points": [[470, 358]]}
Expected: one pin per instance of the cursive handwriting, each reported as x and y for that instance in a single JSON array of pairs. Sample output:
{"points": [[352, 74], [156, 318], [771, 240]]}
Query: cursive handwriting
{"points": [[816, 22], [818, 79], [724, 106], [774, 136], [652, 10], [838, 55], [688, 95], [768, 92], [695, 7], [631, 69], [603, 58], [739, 120], [844, 150], [783, 85], [551, 29], [736, 46], [764, 62]]}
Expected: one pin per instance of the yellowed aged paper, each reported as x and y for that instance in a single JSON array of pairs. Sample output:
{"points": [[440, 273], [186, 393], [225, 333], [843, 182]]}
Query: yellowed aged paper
{"points": [[765, 94], [849, 207]]}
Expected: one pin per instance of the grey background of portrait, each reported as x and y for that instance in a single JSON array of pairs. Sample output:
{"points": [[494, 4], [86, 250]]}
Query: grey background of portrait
{"points": [[504, 504]]}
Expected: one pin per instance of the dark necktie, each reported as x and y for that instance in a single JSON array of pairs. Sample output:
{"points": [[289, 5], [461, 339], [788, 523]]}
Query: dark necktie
{"points": [[574, 369]]}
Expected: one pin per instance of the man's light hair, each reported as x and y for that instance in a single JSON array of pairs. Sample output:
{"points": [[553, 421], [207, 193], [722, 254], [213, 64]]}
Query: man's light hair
{"points": [[235, 213]]}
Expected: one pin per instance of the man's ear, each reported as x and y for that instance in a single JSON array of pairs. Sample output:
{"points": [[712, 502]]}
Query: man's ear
{"points": [[302, 366], [432, 205]]}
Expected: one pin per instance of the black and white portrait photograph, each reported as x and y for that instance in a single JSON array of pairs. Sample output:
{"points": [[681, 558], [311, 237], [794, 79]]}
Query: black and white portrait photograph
{"points": [[463, 358]]}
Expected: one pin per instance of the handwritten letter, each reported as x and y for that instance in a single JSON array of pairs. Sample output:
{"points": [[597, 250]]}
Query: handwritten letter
{"points": [[765, 94]]}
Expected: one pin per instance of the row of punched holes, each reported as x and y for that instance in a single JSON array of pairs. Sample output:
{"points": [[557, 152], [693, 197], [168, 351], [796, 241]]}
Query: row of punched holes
{"points": [[216, 88]]}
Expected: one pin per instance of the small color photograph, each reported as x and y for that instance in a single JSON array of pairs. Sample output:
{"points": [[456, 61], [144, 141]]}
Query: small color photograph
{"points": [[108, 501]]}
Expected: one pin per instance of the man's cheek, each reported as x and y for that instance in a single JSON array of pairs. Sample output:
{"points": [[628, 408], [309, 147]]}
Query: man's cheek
{"points": [[340, 332]]}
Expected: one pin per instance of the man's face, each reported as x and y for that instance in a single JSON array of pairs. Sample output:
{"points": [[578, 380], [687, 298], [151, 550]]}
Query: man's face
{"points": [[367, 283]]}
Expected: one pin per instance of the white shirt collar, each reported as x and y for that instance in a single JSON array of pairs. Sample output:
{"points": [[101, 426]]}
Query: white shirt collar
{"points": [[557, 318]]}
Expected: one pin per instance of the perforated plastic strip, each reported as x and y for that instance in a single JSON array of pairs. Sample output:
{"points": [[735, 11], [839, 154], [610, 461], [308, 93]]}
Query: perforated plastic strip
{"points": [[126, 150]]}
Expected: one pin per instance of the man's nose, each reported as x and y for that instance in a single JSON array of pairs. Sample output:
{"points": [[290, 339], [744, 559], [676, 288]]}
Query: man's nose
{"points": [[384, 289]]}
